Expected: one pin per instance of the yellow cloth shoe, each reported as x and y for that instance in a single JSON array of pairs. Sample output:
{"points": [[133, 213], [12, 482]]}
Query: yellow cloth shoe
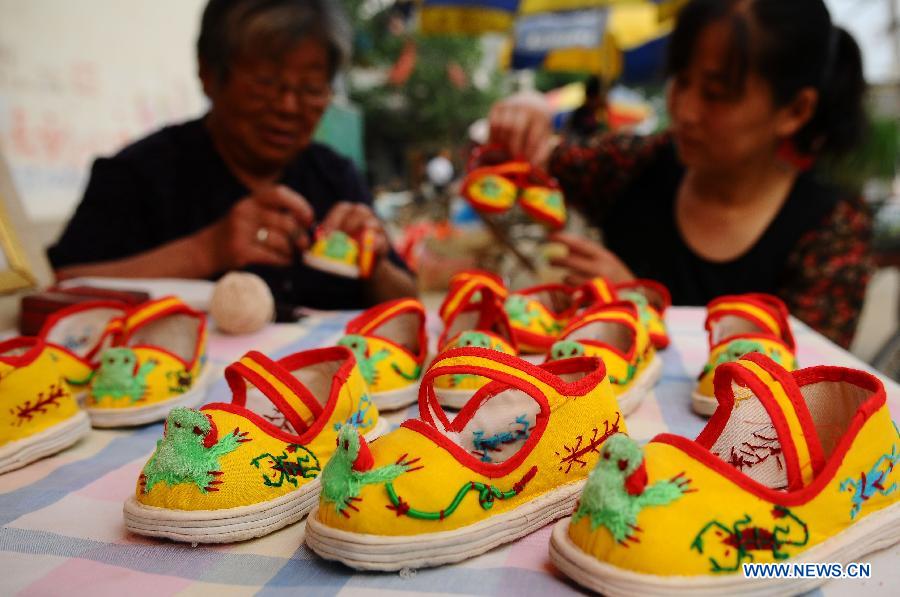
{"points": [[230, 472], [650, 297], [390, 347], [77, 334], [616, 334], [791, 468], [38, 414], [539, 314], [341, 254], [473, 316], [738, 325], [158, 362], [437, 490]]}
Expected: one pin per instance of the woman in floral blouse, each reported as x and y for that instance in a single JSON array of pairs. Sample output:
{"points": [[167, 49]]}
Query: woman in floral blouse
{"points": [[728, 200]]}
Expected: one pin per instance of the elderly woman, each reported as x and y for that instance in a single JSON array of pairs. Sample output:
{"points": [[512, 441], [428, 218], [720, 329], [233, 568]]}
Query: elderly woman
{"points": [[241, 187]]}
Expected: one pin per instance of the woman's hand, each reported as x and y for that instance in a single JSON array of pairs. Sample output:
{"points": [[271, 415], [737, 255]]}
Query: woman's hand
{"points": [[523, 123], [587, 259], [353, 218], [263, 228]]}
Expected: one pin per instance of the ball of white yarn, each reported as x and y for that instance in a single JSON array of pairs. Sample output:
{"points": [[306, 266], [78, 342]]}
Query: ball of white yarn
{"points": [[241, 303]]}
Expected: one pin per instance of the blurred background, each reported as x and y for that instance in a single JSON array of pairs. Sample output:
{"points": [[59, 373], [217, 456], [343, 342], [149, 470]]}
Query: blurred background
{"points": [[407, 110]]}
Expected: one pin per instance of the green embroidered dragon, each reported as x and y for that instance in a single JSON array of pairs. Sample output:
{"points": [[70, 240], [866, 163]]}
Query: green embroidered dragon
{"points": [[351, 468], [120, 376], [189, 452], [616, 490]]}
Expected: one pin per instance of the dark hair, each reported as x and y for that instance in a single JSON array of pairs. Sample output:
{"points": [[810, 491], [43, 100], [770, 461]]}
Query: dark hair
{"points": [[231, 28], [792, 44], [592, 86]]}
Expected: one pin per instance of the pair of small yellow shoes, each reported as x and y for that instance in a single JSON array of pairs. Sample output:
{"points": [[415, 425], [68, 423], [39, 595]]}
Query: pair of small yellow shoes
{"points": [[623, 325], [125, 366], [792, 467]]}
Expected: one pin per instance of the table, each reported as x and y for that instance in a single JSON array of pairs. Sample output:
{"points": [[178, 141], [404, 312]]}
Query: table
{"points": [[62, 529]]}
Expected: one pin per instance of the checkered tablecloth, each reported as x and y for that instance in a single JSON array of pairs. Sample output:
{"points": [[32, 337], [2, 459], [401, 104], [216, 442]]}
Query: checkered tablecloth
{"points": [[62, 531]]}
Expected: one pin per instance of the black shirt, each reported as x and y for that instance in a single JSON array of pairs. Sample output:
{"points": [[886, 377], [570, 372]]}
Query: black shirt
{"points": [[173, 183], [640, 227]]}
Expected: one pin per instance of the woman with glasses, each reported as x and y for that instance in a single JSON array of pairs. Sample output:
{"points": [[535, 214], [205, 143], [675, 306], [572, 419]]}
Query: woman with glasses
{"points": [[243, 186]]}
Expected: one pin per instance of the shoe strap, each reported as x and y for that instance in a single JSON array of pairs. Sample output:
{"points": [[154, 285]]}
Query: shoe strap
{"points": [[658, 296], [620, 312], [762, 416], [542, 383], [370, 320], [765, 311], [277, 383], [464, 285], [151, 311], [595, 292], [61, 322]]}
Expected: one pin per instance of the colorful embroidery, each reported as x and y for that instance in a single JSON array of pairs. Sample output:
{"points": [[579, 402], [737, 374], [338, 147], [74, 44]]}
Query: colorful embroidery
{"points": [[763, 446], [189, 452], [360, 349], [417, 371], [872, 482], [576, 453], [180, 381], [738, 348], [26, 412], [359, 418], [487, 494], [305, 465], [350, 469], [338, 245], [616, 490], [119, 375], [741, 538], [483, 444], [518, 308], [566, 349]]}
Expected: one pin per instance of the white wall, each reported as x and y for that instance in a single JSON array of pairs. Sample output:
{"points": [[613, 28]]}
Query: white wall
{"points": [[81, 78]]}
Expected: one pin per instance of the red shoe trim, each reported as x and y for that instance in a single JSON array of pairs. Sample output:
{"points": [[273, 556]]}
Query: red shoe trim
{"points": [[873, 404]]}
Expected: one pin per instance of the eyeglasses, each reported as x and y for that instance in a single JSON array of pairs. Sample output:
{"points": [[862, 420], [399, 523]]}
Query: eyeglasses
{"points": [[270, 89]]}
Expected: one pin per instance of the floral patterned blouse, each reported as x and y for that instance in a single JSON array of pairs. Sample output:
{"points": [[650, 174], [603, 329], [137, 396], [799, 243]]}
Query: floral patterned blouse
{"points": [[815, 254]]}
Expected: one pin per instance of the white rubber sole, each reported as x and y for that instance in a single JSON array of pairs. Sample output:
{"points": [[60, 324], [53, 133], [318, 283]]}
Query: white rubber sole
{"points": [[394, 399], [141, 415], [46, 443], [643, 385], [703, 405], [221, 526], [332, 267], [375, 552], [875, 532], [230, 524]]}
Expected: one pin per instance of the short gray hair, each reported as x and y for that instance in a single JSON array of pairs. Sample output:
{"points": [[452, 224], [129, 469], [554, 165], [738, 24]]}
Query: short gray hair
{"points": [[233, 28]]}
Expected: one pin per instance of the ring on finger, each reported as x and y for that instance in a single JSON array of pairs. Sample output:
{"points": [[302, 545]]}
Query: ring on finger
{"points": [[262, 235]]}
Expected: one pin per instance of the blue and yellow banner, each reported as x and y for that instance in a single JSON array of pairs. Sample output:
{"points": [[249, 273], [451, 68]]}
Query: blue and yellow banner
{"points": [[467, 17]]}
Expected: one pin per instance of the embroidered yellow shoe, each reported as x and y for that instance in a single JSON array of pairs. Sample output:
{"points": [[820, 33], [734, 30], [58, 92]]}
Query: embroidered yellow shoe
{"points": [[615, 334], [76, 335], [390, 347], [791, 468], [230, 472], [539, 314], [38, 414], [473, 317], [738, 325], [157, 363], [437, 490], [651, 298], [341, 254]]}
